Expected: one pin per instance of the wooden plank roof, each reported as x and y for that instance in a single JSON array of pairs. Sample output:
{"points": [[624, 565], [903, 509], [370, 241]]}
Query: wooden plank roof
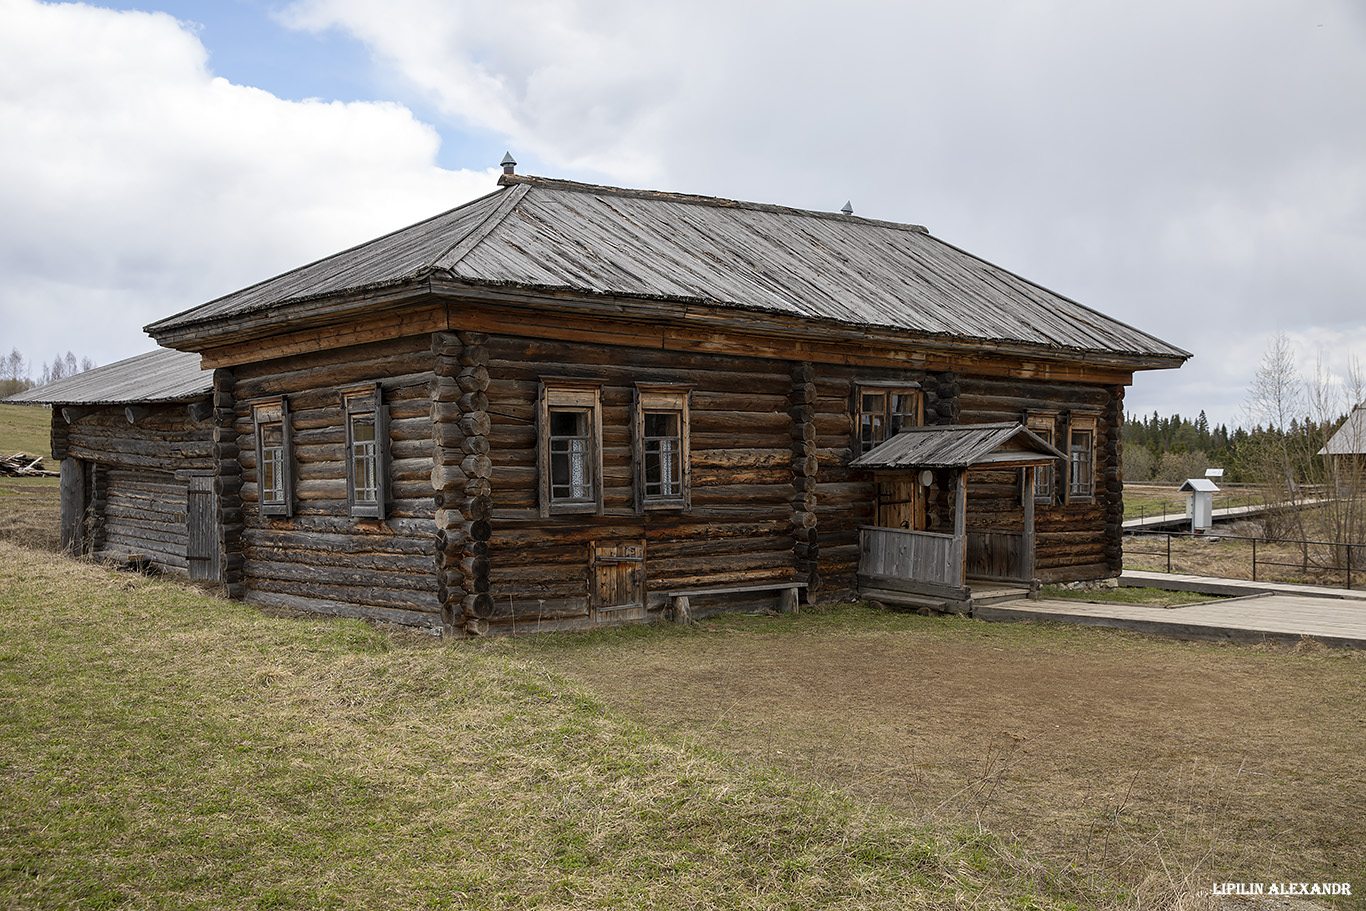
{"points": [[960, 446], [162, 375], [1350, 438], [561, 236]]}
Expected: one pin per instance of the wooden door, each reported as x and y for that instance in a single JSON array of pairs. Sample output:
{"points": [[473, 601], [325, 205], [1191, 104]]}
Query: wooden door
{"points": [[202, 522], [901, 502], [618, 576]]}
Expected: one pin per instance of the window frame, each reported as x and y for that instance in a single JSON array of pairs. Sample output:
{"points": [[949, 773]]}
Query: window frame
{"points": [[358, 401], [569, 395], [659, 398], [1088, 424], [268, 414], [887, 389], [1044, 424]]}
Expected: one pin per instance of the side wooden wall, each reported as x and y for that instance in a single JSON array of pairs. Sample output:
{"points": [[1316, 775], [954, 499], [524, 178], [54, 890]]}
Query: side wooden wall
{"points": [[465, 547], [134, 480], [321, 558]]}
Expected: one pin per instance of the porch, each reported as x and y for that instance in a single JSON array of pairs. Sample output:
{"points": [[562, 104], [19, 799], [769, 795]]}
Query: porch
{"points": [[953, 571]]}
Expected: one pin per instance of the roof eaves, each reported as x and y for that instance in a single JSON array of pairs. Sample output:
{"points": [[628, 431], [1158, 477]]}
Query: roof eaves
{"points": [[1114, 357], [292, 310], [1180, 353]]}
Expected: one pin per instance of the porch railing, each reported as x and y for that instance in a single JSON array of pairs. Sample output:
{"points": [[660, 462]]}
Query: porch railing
{"points": [[897, 553], [1001, 556]]}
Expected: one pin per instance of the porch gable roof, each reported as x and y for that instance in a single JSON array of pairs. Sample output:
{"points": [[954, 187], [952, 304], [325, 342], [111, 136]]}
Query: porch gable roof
{"points": [[1003, 445]]}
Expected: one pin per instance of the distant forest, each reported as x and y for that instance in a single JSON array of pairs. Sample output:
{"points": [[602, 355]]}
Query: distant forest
{"points": [[1169, 450]]}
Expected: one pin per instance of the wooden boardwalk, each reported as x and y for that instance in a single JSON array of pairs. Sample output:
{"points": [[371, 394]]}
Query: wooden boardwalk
{"points": [[1253, 613], [1179, 521]]}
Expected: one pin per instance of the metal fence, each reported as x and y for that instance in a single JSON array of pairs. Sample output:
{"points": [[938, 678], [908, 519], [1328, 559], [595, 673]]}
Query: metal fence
{"points": [[1348, 558]]}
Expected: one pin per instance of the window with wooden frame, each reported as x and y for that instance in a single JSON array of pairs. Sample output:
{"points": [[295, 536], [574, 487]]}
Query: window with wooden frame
{"points": [[1044, 425], [569, 429], [1081, 457], [274, 458], [661, 447], [884, 410], [367, 451]]}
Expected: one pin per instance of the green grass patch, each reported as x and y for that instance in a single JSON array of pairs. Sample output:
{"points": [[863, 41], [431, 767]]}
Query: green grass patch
{"points": [[27, 429], [163, 749]]}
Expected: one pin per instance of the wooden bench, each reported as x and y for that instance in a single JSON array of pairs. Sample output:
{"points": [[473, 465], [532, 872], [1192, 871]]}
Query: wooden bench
{"points": [[680, 602]]}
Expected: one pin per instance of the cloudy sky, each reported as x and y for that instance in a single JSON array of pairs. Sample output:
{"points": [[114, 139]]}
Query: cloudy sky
{"points": [[1196, 168]]}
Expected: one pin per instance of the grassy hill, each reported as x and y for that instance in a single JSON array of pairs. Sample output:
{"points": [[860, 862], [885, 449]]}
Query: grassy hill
{"points": [[25, 428], [162, 749]]}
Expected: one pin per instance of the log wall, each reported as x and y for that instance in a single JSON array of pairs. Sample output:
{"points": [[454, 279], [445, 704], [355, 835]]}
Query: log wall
{"points": [[739, 529], [135, 479], [846, 499], [322, 559], [465, 546]]}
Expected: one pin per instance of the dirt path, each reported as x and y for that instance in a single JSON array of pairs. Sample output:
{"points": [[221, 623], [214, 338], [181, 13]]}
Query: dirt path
{"points": [[1183, 761]]}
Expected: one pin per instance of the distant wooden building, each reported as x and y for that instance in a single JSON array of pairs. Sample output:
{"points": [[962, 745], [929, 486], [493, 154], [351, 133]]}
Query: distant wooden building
{"points": [[1346, 449], [563, 405], [135, 444]]}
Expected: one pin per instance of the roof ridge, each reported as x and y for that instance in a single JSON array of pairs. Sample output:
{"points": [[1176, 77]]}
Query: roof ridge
{"points": [[573, 186], [462, 247]]}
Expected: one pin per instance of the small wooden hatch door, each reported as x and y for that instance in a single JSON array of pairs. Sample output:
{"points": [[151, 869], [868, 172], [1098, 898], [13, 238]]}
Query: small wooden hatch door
{"points": [[201, 519], [618, 576]]}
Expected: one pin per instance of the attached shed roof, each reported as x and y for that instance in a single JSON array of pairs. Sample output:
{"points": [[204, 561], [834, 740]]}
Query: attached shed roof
{"points": [[961, 446], [560, 236], [162, 375], [1350, 438]]}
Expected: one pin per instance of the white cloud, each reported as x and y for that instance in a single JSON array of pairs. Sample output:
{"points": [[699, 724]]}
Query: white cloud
{"points": [[136, 184], [582, 84], [1177, 166]]}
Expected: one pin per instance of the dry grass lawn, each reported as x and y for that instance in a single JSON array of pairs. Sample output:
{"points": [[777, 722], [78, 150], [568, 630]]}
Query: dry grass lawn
{"points": [[160, 749], [1166, 765], [30, 508], [30, 512], [1160, 763]]}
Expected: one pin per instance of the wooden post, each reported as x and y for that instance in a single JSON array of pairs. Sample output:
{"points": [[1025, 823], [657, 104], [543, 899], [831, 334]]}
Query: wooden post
{"points": [[960, 537], [805, 473], [1029, 523], [228, 485], [73, 488]]}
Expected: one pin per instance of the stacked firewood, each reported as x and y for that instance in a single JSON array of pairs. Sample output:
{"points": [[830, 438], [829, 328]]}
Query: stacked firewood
{"points": [[20, 465]]}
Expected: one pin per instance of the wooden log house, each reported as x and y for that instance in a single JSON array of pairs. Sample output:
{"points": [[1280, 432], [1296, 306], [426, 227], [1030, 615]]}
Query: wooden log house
{"points": [[135, 445], [563, 405]]}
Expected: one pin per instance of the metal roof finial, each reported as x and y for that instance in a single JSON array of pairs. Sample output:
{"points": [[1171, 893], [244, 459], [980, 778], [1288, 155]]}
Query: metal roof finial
{"points": [[509, 165], [848, 208]]}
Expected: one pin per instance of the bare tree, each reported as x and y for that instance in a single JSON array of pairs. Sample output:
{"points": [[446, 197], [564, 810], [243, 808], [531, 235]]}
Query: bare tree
{"points": [[1289, 460], [12, 366], [1343, 475], [13, 373]]}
